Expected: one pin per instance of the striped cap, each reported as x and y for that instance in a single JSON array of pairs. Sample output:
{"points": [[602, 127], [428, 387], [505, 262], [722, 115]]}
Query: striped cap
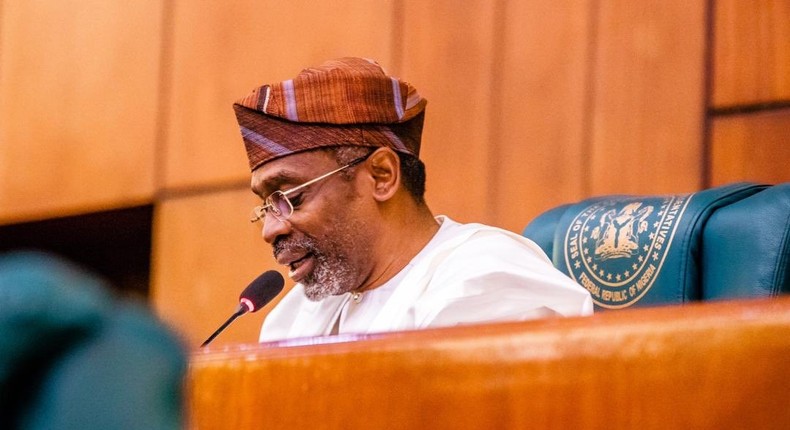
{"points": [[347, 101]]}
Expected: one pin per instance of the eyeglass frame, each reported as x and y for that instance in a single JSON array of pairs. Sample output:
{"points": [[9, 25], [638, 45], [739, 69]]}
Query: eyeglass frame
{"points": [[259, 212]]}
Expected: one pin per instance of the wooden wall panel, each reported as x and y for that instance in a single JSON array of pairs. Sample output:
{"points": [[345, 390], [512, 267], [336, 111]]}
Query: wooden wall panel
{"points": [[751, 49], [540, 115], [531, 104], [751, 147], [447, 53], [648, 105], [78, 105], [222, 50], [205, 253]]}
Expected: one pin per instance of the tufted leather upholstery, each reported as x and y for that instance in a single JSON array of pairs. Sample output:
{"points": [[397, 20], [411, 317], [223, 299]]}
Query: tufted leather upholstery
{"points": [[721, 243]]}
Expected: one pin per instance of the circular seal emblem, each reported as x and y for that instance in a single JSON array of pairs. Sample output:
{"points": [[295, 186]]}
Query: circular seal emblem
{"points": [[615, 248]]}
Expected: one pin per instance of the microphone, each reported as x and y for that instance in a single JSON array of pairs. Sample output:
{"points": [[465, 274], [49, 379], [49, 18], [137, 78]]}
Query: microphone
{"points": [[260, 292]]}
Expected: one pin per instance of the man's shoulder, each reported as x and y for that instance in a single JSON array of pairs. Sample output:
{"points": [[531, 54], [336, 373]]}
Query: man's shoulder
{"points": [[493, 274], [473, 236]]}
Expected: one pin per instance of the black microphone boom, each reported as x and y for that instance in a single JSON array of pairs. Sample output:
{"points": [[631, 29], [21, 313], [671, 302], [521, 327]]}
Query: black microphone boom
{"points": [[260, 292]]}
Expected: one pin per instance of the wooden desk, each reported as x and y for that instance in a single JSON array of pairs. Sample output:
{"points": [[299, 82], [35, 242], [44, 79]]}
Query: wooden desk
{"points": [[715, 365]]}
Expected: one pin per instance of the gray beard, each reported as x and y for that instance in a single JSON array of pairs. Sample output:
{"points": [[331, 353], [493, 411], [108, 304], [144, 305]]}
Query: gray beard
{"points": [[331, 276], [333, 273]]}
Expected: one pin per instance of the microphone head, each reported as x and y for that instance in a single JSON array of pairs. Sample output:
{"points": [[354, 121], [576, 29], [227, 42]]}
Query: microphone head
{"points": [[262, 290]]}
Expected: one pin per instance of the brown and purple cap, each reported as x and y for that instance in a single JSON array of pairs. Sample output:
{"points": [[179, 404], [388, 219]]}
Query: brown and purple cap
{"points": [[347, 101]]}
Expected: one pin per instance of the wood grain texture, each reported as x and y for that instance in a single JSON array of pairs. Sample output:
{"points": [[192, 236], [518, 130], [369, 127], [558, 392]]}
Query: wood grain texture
{"points": [[531, 104], [205, 253], [78, 106], [751, 52], [649, 99], [751, 147], [540, 116], [712, 366], [447, 54], [222, 50]]}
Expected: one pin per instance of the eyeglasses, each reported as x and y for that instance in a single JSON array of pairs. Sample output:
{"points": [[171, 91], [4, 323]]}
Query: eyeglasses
{"points": [[278, 203]]}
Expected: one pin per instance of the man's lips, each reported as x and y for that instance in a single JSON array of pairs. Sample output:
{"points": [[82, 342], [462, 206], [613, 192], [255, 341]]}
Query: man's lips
{"points": [[287, 257], [301, 267], [299, 261], [298, 255], [296, 263]]}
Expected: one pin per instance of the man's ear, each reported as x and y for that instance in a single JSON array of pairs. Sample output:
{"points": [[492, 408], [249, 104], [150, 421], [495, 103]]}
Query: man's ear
{"points": [[384, 166]]}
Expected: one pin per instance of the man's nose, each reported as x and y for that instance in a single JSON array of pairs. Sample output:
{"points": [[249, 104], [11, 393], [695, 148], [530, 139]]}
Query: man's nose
{"points": [[274, 227]]}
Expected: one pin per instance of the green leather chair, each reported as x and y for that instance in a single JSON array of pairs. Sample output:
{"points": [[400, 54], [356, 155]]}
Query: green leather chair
{"points": [[73, 357], [726, 242]]}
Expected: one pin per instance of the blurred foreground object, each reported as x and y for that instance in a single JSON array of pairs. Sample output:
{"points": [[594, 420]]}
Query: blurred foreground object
{"points": [[71, 356]]}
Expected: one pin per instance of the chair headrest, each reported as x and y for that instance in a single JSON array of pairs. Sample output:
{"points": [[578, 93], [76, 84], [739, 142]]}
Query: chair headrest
{"points": [[637, 249]]}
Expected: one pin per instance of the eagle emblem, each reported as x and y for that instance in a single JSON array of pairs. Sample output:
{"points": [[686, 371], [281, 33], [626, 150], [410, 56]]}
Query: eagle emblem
{"points": [[615, 248], [617, 236]]}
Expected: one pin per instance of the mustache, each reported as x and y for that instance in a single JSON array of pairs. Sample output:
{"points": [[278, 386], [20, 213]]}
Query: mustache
{"points": [[288, 243]]}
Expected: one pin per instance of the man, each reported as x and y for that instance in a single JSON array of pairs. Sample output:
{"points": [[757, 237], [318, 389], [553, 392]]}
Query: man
{"points": [[334, 156]]}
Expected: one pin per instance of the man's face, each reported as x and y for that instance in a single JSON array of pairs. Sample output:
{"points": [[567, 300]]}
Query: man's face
{"points": [[325, 242]]}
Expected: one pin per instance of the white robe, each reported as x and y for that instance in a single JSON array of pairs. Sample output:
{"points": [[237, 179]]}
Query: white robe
{"points": [[467, 273]]}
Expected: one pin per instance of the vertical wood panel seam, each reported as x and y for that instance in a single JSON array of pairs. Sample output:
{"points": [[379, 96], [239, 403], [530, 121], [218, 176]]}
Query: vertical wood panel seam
{"points": [[396, 41], [166, 36], [165, 89], [2, 9], [589, 101], [495, 112], [707, 96]]}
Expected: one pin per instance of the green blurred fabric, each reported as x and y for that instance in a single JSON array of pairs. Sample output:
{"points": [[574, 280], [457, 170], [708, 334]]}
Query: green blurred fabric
{"points": [[72, 356]]}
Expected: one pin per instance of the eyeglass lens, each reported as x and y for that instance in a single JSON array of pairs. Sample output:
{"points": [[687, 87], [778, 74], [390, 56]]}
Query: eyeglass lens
{"points": [[279, 205]]}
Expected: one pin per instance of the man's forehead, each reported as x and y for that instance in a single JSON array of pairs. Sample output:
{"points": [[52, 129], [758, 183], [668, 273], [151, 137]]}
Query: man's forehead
{"points": [[292, 169]]}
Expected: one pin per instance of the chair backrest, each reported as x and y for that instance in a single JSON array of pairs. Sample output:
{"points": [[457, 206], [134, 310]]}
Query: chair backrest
{"points": [[721, 243], [72, 356]]}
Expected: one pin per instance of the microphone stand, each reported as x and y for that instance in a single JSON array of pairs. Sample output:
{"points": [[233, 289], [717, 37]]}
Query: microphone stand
{"points": [[239, 312]]}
